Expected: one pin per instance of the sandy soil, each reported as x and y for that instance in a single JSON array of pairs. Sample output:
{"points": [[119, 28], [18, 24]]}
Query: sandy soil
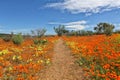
{"points": [[62, 67]]}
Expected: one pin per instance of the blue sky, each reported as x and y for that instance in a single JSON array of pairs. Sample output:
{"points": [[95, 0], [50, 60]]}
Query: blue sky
{"points": [[26, 15]]}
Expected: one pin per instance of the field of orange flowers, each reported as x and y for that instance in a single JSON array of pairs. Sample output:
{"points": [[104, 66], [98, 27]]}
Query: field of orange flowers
{"points": [[99, 55], [25, 61]]}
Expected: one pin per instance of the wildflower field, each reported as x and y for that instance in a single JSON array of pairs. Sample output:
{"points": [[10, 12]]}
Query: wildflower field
{"points": [[24, 62], [98, 55]]}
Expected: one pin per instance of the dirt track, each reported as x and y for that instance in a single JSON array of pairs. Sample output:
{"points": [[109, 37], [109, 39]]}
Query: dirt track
{"points": [[63, 67]]}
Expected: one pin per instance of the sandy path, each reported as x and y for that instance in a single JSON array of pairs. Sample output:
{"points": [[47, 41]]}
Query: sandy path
{"points": [[63, 67]]}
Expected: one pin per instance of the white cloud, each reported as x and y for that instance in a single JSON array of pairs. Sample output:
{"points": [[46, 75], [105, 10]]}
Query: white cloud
{"points": [[86, 6], [76, 25]]}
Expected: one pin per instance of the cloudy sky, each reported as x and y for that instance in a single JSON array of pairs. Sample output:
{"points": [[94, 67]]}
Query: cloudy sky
{"points": [[26, 15]]}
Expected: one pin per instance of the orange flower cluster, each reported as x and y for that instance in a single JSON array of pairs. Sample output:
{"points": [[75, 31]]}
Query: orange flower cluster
{"points": [[25, 61], [99, 55]]}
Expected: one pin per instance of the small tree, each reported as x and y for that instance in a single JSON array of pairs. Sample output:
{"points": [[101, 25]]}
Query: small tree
{"points": [[60, 30], [108, 31], [105, 28], [39, 32]]}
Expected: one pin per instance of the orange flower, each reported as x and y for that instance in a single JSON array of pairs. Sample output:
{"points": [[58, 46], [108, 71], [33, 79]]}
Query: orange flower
{"points": [[20, 79], [106, 66], [1, 75], [118, 78], [107, 79], [99, 51]]}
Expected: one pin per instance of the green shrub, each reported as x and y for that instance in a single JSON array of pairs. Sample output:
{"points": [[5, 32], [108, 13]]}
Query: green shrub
{"points": [[7, 38], [17, 39], [39, 42], [35, 41]]}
